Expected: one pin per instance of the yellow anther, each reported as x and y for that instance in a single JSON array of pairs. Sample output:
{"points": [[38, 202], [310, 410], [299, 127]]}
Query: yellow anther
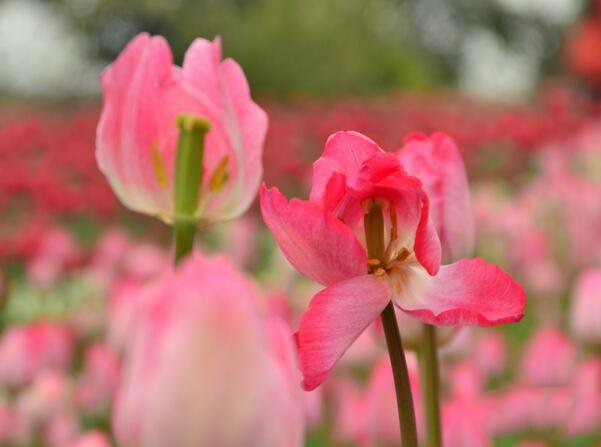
{"points": [[373, 262], [160, 173], [220, 175], [393, 224], [380, 272], [404, 253]]}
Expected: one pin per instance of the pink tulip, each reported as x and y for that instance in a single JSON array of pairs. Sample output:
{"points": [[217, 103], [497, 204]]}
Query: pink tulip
{"points": [[466, 381], [110, 251], [585, 415], [100, 377], [57, 249], [349, 422], [586, 308], [202, 367], [26, 351], [521, 409], [122, 310], [136, 138], [549, 359], [490, 354], [60, 430], [47, 400], [322, 239], [145, 261], [465, 424]]}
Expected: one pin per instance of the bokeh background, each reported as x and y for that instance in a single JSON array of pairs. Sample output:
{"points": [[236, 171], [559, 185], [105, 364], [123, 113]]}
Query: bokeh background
{"points": [[516, 83]]}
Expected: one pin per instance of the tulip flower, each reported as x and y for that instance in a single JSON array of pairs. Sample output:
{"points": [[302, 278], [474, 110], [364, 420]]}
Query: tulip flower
{"points": [[144, 94], [323, 238], [202, 367], [28, 350], [549, 359], [586, 309]]}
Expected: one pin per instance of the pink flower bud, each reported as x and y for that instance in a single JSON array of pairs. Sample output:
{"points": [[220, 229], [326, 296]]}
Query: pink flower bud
{"points": [[586, 308], [203, 368], [136, 141], [26, 351]]}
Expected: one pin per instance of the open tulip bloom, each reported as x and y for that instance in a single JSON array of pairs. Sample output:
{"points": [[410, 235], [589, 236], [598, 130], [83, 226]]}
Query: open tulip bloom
{"points": [[324, 238], [137, 137]]}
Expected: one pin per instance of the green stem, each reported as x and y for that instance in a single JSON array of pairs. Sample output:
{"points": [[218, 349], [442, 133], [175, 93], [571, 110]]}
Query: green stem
{"points": [[188, 181], [401, 377], [184, 232], [430, 381], [374, 235]]}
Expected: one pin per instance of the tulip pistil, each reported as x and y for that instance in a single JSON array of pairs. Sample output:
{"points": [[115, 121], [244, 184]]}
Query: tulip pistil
{"points": [[188, 180]]}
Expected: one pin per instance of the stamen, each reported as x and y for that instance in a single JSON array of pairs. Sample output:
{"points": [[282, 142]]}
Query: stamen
{"points": [[403, 254], [380, 272], [393, 224], [220, 175], [373, 262], [160, 173]]}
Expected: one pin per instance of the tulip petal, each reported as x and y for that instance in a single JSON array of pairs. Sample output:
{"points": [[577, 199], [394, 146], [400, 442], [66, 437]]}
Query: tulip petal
{"points": [[334, 319], [314, 241], [140, 95], [468, 292], [436, 161], [239, 125], [344, 152]]}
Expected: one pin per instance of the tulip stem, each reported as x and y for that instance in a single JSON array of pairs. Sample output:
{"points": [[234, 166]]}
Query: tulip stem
{"points": [[430, 381], [188, 181], [184, 232], [401, 377], [374, 236]]}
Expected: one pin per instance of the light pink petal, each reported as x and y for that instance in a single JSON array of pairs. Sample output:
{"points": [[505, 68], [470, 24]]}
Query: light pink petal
{"points": [[468, 292], [436, 161], [318, 244], [549, 359], [344, 153], [586, 307], [141, 95], [239, 125], [334, 319]]}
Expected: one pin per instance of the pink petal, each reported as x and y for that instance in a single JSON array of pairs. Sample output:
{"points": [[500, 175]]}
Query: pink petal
{"points": [[586, 307], [140, 96], [335, 318], [468, 292], [549, 359], [320, 246], [436, 161], [344, 153], [239, 125], [427, 243]]}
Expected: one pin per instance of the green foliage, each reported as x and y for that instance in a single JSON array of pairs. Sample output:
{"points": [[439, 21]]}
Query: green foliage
{"points": [[288, 47]]}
